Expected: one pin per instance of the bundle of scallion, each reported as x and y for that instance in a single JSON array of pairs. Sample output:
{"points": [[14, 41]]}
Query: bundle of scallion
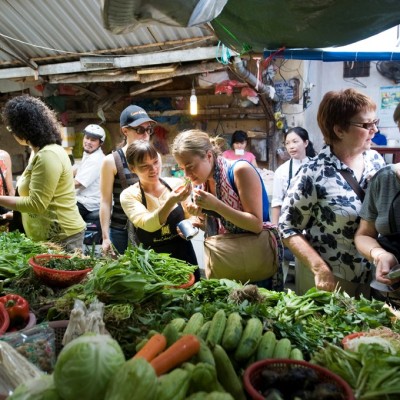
{"points": [[160, 267], [113, 283]]}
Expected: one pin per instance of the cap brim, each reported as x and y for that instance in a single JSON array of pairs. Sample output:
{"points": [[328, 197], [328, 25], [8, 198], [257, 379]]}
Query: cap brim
{"points": [[140, 121], [92, 135]]}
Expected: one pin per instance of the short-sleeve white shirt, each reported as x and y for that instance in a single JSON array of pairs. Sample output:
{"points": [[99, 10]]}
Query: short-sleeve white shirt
{"points": [[281, 180], [88, 175]]}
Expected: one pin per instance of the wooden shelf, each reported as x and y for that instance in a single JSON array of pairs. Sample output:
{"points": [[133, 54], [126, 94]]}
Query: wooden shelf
{"points": [[214, 113], [388, 150]]}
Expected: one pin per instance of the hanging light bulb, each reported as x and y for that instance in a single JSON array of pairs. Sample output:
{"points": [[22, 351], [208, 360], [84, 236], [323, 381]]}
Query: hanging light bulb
{"points": [[193, 103]]}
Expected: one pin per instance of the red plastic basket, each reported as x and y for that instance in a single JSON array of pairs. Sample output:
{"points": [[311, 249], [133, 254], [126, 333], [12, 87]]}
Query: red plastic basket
{"points": [[188, 284], [350, 337], [59, 330], [54, 277], [253, 376]]}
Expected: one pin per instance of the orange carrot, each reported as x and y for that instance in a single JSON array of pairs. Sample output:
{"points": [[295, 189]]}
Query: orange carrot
{"points": [[180, 351], [155, 345]]}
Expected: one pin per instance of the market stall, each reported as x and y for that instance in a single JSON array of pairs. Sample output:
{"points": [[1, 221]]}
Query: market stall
{"points": [[171, 339]]}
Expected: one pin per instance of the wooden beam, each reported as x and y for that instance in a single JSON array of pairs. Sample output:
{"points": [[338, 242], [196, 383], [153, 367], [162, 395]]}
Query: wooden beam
{"points": [[128, 49], [210, 91], [161, 69], [192, 69], [109, 76], [223, 113], [121, 76], [138, 60], [258, 111], [145, 88]]}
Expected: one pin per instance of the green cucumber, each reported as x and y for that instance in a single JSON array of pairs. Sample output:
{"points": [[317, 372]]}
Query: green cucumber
{"points": [[233, 332], [194, 324], [226, 374], [282, 348], [217, 327], [203, 331], [249, 341], [266, 346], [296, 354]]}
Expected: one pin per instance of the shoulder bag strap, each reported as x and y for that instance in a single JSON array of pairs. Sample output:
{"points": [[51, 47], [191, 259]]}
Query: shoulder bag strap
{"points": [[290, 172], [4, 182], [353, 183], [120, 169], [231, 178], [144, 202]]}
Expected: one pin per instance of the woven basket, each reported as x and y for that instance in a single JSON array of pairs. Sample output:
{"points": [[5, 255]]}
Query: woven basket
{"points": [[59, 330], [253, 376], [54, 277]]}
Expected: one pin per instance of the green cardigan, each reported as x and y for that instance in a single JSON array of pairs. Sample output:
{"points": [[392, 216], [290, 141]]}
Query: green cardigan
{"points": [[47, 197]]}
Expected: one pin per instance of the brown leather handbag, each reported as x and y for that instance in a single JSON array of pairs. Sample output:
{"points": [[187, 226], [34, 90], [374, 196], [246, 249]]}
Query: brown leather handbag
{"points": [[244, 257]]}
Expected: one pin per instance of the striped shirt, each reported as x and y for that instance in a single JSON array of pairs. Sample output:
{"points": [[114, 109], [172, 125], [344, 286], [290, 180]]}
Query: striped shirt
{"points": [[118, 217]]}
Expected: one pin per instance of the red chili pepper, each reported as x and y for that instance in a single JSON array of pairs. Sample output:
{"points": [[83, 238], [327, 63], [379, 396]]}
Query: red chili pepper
{"points": [[4, 319], [17, 308]]}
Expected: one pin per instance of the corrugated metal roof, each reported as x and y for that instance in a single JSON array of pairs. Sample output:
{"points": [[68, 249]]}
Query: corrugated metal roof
{"points": [[47, 31]]}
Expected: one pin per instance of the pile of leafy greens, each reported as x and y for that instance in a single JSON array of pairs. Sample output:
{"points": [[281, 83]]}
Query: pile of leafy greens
{"points": [[371, 371]]}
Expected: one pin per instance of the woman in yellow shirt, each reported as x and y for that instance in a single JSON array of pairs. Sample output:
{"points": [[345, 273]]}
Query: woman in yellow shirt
{"points": [[156, 205]]}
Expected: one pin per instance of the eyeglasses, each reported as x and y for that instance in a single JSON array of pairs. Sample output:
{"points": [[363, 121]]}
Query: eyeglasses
{"points": [[366, 125], [140, 130]]}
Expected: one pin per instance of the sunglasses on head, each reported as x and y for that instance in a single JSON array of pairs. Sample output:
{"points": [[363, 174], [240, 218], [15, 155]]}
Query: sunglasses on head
{"points": [[141, 130]]}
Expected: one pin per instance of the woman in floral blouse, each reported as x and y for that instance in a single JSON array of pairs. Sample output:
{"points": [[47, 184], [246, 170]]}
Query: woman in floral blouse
{"points": [[320, 213]]}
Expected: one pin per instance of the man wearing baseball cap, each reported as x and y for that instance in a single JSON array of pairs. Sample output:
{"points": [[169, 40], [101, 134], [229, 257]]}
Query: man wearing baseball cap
{"points": [[87, 174], [115, 176]]}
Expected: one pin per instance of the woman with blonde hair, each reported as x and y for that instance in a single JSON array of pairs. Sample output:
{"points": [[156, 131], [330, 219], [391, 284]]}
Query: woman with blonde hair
{"points": [[227, 198]]}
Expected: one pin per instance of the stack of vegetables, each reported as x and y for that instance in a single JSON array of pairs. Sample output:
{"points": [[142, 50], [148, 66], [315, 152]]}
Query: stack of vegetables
{"points": [[15, 251], [93, 367], [195, 360], [14, 313], [204, 360], [371, 365], [141, 302], [136, 275]]}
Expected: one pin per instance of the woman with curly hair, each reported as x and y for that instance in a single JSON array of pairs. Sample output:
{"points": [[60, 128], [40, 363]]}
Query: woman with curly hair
{"points": [[46, 192]]}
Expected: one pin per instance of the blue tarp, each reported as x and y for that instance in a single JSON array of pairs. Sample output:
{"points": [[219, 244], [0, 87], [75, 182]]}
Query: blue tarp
{"points": [[331, 56]]}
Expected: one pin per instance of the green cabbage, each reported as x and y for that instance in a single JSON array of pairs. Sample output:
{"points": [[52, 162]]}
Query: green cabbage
{"points": [[136, 379], [41, 388], [86, 365]]}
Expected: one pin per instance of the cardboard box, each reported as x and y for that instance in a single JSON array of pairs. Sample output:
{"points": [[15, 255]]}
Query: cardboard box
{"points": [[68, 136], [256, 134]]}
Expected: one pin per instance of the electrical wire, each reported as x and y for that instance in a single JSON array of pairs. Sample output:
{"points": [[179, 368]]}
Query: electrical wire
{"points": [[40, 47], [95, 54]]}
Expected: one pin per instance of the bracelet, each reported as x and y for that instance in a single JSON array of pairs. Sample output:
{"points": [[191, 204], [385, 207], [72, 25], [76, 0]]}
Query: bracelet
{"points": [[373, 248], [376, 257]]}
